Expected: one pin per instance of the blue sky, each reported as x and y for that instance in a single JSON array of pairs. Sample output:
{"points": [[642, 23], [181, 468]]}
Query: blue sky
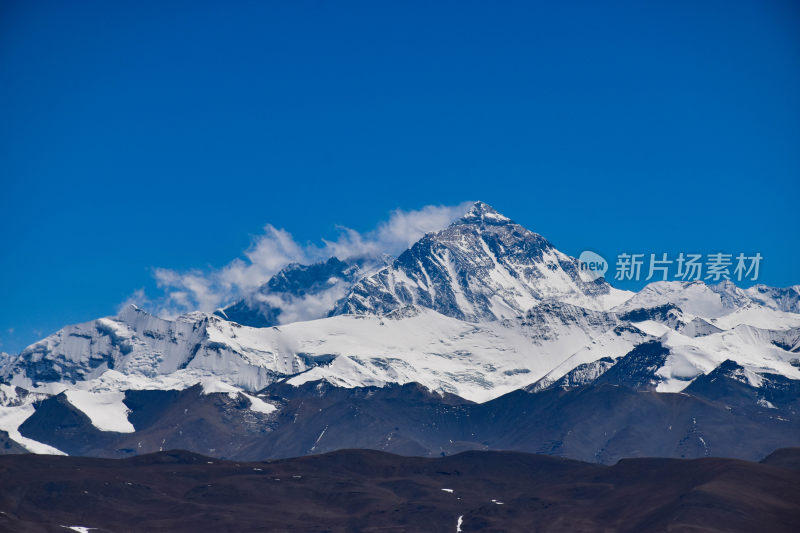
{"points": [[138, 135]]}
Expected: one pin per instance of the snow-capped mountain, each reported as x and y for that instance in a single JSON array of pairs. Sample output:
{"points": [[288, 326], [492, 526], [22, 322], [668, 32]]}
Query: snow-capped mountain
{"points": [[475, 311], [144, 347], [477, 361], [783, 299], [695, 297], [482, 267]]}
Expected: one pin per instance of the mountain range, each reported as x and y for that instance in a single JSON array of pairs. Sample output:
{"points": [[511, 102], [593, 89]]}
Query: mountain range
{"points": [[481, 335]]}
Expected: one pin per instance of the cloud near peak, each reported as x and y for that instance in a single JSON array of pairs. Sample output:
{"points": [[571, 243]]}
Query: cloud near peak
{"points": [[207, 290]]}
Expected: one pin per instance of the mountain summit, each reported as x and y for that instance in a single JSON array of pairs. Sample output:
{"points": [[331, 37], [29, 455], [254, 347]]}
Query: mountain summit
{"points": [[484, 266], [481, 213]]}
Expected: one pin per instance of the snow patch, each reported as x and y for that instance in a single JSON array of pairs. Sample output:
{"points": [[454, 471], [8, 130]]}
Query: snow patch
{"points": [[763, 402], [11, 418], [106, 410], [213, 386]]}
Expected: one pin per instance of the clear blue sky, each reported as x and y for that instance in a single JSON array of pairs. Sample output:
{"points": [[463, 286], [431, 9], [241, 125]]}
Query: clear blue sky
{"points": [[137, 134]]}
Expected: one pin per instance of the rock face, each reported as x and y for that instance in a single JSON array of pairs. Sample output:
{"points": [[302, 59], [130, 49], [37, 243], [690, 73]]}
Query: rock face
{"points": [[733, 384], [638, 369]]}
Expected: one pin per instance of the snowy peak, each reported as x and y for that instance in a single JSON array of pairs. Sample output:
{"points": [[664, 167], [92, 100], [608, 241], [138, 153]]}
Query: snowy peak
{"points": [[135, 343], [638, 369], [733, 383], [730, 295], [695, 297], [482, 214], [783, 299], [483, 267]]}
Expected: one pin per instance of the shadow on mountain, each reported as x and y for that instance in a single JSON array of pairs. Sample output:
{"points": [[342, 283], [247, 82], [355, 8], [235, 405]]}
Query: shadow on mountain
{"points": [[719, 415]]}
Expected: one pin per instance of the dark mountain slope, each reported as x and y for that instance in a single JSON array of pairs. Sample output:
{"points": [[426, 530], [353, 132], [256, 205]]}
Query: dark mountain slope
{"points": [[358, 490], [597, 423]]}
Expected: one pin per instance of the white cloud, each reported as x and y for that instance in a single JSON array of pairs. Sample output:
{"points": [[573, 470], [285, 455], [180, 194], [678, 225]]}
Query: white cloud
{"points": [[306, 307], [404, 228], [267, 255], [137, 298], [206, 290], [393, 236]]}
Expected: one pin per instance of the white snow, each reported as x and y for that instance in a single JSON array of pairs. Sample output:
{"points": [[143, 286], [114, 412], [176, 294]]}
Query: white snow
{"points": [[214, 386], [475, 361], [763, 402], [760, 317], [695, 298], [319, 438], [13, 417], [146, 346], [8, 394], [703, 442], [258, 405], [749, 347], [105, 409], [609, 344]]}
